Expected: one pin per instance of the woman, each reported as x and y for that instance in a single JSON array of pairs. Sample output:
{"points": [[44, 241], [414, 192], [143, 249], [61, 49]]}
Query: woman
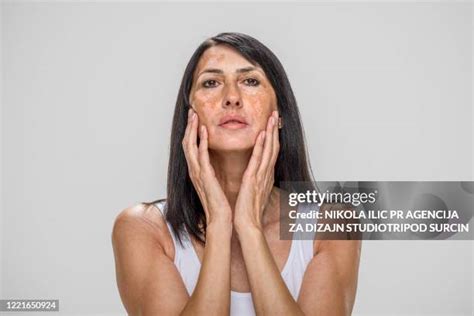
{"points": [[236, 134]]}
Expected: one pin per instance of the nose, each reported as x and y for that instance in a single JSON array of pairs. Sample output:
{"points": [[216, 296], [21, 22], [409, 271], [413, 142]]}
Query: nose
{"points": [[232, 97]]}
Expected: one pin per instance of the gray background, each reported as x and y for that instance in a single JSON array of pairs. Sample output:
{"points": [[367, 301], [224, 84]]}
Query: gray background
{"points": [[385, 92]]}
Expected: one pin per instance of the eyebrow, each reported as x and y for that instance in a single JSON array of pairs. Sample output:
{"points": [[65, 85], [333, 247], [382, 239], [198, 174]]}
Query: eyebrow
{"points": [[219, 71]]}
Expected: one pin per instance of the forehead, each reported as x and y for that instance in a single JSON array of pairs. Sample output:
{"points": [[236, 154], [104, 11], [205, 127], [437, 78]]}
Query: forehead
{"points": [[222, 57]]}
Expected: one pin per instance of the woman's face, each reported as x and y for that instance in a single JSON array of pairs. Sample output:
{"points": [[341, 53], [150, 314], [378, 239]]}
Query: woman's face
{"points": [[232, 98]]}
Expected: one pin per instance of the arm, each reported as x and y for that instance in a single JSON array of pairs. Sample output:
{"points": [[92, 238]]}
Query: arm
{"points": [[329, 284], [148, 281], [269, 291], [212, 293], [330, 279]]}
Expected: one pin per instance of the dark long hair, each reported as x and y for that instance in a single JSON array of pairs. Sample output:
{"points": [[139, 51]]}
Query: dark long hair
{"points": [[183, 207]]}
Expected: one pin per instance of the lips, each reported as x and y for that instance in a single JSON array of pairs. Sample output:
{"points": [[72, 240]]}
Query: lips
{"points": [[233, 121]]}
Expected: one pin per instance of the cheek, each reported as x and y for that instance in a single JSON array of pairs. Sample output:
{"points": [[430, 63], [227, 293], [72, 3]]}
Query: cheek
{"points": [[205, 106], [261, 113], [263, 102], [205, 112], [204, 117], [206, 98]]}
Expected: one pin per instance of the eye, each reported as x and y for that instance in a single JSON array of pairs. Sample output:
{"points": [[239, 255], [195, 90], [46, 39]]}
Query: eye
{"points": [[252, 82], [209, 83]]}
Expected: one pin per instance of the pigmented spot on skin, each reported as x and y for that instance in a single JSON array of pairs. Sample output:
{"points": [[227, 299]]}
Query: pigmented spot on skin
{"points": [[256, 103]]}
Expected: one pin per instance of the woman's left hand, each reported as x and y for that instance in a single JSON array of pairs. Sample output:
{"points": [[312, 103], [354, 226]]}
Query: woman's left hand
{"points": [[258, 178]]}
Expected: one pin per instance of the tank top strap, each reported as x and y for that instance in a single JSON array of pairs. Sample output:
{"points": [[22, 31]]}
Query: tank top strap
{"points": [[306, 239], [160, 205], [185, 258]]}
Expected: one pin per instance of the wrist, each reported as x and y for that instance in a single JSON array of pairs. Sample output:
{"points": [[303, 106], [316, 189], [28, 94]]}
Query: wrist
{"points": [[219, 227], [220, 219], [247, 227]]}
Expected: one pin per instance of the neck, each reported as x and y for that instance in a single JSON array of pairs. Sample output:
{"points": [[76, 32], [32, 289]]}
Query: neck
{"points": [[229, 168]]}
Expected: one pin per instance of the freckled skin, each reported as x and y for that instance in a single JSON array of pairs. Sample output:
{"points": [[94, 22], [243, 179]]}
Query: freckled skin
{"points": [[255, 102]]}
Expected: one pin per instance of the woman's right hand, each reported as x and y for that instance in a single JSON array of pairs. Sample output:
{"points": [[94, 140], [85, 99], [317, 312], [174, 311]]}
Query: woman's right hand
{"points": [[201, 172]]}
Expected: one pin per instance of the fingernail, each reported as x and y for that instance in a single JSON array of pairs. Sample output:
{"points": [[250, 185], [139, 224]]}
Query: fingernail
{"points": [[275, 113], [189, 112], [193, 116], [272, 121], [202, 129]]}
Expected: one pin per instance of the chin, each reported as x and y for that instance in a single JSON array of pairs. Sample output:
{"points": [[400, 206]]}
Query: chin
{"points": [[231, 144]]}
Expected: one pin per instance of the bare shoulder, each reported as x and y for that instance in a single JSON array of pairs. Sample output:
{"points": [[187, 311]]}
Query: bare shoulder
{"points": [[140, 223], [144, 253]]}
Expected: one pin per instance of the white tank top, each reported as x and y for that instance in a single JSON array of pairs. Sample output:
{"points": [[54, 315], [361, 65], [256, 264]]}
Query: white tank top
{"points": [[188, 264]]}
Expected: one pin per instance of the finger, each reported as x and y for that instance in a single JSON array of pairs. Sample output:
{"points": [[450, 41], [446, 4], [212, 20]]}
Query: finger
{"points": [[276, 143], [186, 132], [186, 135], [203, 150], [191, 141], [256, 154], [268, 147]]}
